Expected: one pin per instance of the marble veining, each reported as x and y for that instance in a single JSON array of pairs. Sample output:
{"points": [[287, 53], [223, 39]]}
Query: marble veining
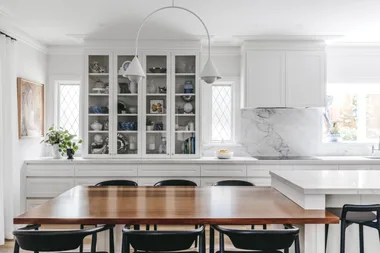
{"points": [[281, 132]]}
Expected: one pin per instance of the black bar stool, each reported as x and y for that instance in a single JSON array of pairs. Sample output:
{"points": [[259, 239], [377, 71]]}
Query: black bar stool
{"points": [[30, 239], [260, 241], [363, 215], [162, 241], [112, 183]]}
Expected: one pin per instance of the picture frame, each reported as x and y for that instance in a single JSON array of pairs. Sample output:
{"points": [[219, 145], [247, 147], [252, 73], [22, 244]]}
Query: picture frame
{"points": [[157, 106], [30, 103]]}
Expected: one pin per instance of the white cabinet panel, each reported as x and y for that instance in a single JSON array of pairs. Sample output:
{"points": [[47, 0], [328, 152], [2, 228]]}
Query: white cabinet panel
{"points": [[106, 170], [260, 181], [176, 170], [150, 181], [221, 170], [50, 170], [305, 79], [355, 167], [94, 181], [31, 203], [265, 79], [47, 187], [209, 181]]}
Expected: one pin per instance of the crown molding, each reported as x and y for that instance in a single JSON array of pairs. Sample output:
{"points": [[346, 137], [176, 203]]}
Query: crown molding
{"points": [[9, 27], [65, 50]]}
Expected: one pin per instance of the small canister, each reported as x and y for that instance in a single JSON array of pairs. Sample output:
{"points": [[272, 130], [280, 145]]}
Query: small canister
{"points": [[188, 87]]}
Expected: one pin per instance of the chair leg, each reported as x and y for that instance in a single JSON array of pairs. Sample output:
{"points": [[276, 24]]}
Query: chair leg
{"points": [[361, 238], [155, 227], [93, 243], [196, 239], [147, 227], [81, 245], [212, 240], [16, 248], [112, 242], [326, 235], [297, 248], [265, 226], [252, 226], [342, 236], [136, 227], [221, 242]]}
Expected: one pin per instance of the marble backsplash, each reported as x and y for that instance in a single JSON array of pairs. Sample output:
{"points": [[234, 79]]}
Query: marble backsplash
{"points": [[281, 132], [290, 132]]}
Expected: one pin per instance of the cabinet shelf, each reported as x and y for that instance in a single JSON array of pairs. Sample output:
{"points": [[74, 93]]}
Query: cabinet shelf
{"points": [[156, 74], [180, 132], [156, 94], [127, 114], [98, 94], [98, 74], [127, 131], [185, 115], [98, 114], [156, 132], [184, 94], [156, 115], [185, 74], [127, 94], [98, 132]]}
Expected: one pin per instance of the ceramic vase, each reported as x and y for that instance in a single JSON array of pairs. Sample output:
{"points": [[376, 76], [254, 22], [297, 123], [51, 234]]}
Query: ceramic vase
{"points": [[132, 87], [70, 153], [56, 153]]}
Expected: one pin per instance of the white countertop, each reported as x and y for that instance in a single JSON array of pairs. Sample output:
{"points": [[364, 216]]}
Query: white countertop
{"points": [[331, 181], [322, 160]]}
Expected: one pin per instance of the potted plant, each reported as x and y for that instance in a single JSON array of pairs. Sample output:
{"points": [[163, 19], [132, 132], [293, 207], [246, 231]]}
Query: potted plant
{"points": [[149, 125], [62, 142]]}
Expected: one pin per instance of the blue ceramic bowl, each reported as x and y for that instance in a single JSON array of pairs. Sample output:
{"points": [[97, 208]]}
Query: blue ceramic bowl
{"points": [[98, 109], [128, 126]]}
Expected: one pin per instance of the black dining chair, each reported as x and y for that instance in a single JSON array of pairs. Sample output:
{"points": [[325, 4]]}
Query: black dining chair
{"points": [[259, 241], [174, 182], [162, 241], [363, 215], [31, 239], [112, 183]]}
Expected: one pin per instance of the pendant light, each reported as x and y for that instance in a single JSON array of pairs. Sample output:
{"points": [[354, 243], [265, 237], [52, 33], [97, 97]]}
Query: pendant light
{"points": [[135, 72]]}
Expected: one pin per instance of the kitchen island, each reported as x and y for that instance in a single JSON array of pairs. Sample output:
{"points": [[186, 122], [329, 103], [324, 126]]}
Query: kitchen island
{"points": [[317, 190]]}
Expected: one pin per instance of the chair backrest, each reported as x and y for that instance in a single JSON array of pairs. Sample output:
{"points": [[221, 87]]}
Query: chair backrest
{"points": [[233, 183], [361, 208], [117, 183], [175, 182], [265, 240], [150, 240], [49, 240]]}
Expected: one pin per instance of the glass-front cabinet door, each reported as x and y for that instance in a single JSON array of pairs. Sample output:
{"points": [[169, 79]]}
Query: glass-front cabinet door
{"points": [[185, 100], [126, 136], [156, 102], [97, 104]]}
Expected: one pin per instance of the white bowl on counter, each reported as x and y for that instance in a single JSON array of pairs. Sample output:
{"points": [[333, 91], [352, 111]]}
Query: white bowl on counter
{"points": [[224, 155]]}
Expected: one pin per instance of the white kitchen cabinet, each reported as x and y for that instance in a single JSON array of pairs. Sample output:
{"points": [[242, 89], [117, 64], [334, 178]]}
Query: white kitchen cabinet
{"points": [[265, 79], [151, 181], [284, 77], [31, 203], [91, 181], [223, 170], [180, 170], [60, 170], [113, 170], [305, 79], [209, 181], [47, 187]]}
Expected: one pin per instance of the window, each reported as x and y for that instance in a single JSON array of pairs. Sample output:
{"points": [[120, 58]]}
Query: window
{"points": [[68, 107], [352, 112], [222, 120]]}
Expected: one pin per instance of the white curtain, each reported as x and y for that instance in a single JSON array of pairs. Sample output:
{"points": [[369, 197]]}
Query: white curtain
{"points": [[8, 133]]}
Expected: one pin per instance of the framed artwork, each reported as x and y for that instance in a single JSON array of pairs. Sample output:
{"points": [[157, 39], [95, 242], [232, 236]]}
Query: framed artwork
{"points": [[156, 106], [30, 102]]}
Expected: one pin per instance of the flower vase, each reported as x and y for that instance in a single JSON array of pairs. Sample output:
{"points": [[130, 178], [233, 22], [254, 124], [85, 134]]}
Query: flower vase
{"points": [[56, 153], [133, 87], [70, 153]]}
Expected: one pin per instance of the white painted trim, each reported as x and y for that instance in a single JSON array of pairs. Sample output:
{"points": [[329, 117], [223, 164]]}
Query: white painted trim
{"points": [[65, 50]]}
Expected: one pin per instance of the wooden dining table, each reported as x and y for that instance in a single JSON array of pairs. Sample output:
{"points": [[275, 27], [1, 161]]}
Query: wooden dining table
{"points": [[173, 205]]}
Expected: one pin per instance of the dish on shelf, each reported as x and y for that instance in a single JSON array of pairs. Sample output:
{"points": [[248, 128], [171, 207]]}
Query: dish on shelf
{"points": [[188, 98], [125, 65], [157, 70], [122, 144], [128, 126], [121, 106], [132, 109], [224, 154], [95, 67], [99, 90], [98, 109]]}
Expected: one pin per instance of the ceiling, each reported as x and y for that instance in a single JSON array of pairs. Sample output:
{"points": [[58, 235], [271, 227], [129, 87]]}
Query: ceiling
{"points": [[68, 22]]}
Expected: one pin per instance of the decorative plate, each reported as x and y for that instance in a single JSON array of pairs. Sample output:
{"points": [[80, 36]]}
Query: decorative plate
{"points": [[122, 144], [125, 65]]}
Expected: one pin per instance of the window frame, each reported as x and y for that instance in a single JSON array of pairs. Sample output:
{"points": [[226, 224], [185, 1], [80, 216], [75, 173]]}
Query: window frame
{"points": [[67, 80], [354, 87], [234, 82]]}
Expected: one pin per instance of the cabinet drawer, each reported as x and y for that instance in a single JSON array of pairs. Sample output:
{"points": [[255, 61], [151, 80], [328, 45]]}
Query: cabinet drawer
{"points": [[315, 167], [47, 187], [94, 181], [180, 170], [260, 181], [224, 170], [106, 170], [30, 203], [50, 170], [209, 181], [150, 181]]}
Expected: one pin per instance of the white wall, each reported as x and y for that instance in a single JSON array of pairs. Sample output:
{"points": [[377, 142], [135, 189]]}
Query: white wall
{"points": [[31, 65]]}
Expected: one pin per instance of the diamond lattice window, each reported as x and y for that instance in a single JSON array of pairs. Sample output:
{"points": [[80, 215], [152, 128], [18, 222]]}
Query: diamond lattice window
{"points": [[221, 112], [69, 107]]}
